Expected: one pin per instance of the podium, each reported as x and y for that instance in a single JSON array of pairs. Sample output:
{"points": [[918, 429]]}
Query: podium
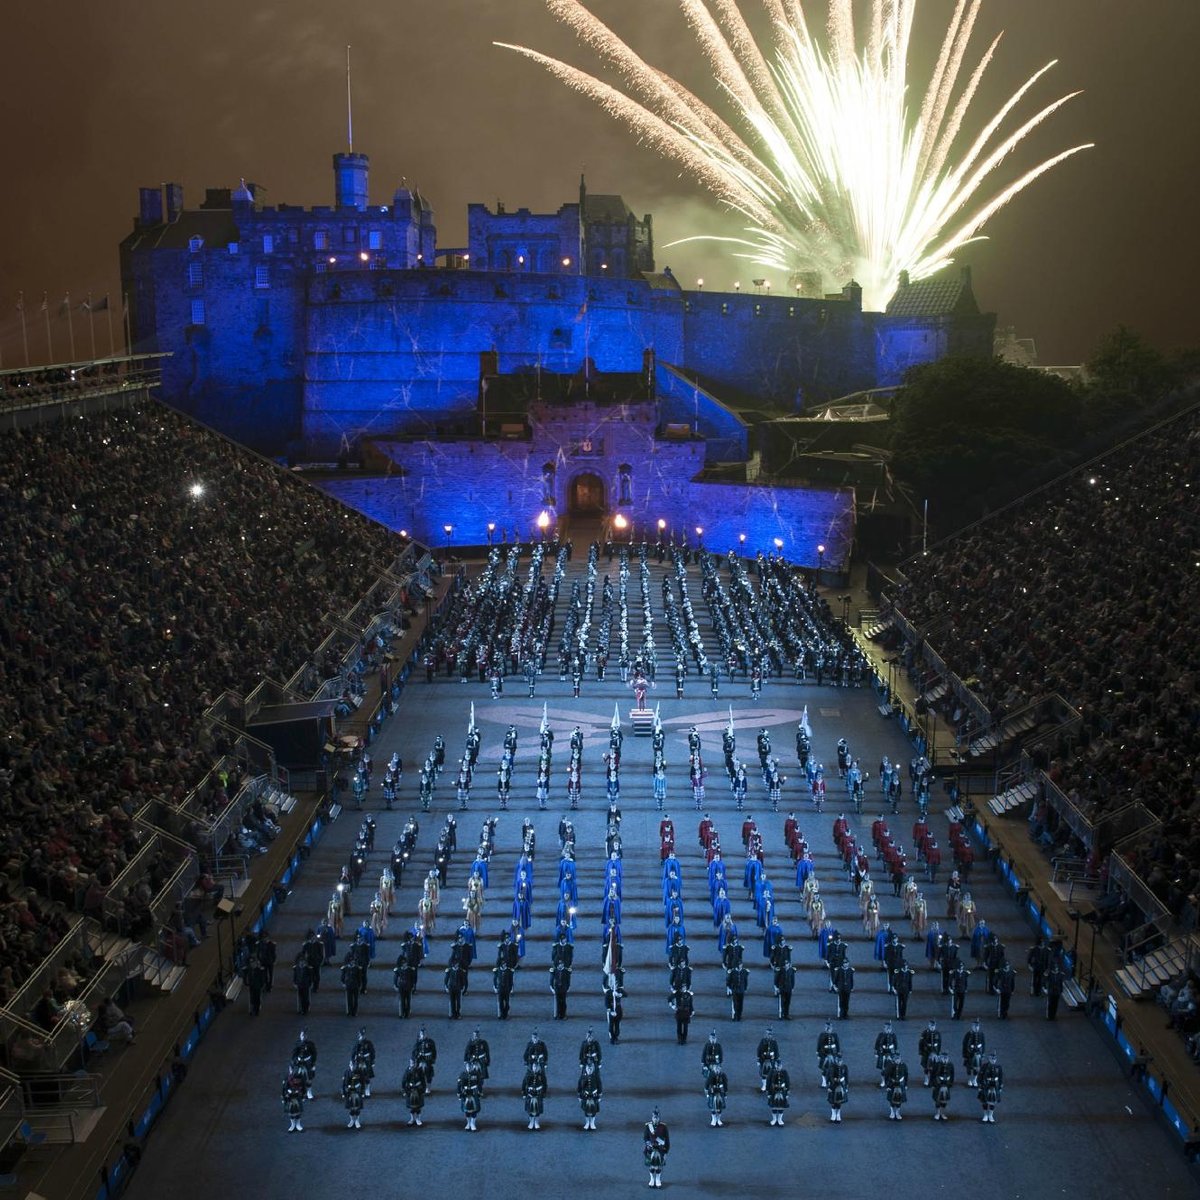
{"points": [[643, 721]]}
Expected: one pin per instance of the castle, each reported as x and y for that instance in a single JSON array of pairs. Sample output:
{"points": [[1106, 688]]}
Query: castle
{"points": [[314, 333]]}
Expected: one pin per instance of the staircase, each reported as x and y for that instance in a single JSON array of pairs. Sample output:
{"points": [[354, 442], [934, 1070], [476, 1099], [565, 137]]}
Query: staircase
{"points": [[63, 1109]]}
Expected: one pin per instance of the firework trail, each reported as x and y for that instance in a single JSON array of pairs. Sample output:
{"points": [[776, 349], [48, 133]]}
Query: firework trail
{"points": [[818, 148]]}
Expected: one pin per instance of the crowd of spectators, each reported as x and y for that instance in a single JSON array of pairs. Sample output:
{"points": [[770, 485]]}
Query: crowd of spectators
{"points": [[149, 566], [1089, 589]]}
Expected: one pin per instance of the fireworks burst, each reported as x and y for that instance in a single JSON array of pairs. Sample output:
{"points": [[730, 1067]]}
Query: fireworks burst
{"points": [[818, 149]]}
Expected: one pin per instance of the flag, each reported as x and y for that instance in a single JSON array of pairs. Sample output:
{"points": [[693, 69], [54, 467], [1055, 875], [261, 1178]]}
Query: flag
{"points": [[616, 721], [64, 307], [21, 303], [610, 953], [96, 306], [582, 312], [45, 307]]}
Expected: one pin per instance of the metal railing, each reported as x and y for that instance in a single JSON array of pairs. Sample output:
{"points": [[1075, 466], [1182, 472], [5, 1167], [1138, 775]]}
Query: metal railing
{"points": [[138, 868], [12, 1109], [72, 943], [68, 383]]}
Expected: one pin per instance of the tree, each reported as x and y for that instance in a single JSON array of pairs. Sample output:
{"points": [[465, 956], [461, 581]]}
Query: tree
{"points": [[1129, 368], [965, 426]]}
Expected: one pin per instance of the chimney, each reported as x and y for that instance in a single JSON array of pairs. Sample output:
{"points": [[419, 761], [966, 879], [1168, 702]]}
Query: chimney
{"points": [[174, 193], [150, 207]]}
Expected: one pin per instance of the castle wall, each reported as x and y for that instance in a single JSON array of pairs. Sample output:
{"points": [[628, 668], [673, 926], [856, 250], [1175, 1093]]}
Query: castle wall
{"points": [[787, 350], [803, 518], [390, 352]]}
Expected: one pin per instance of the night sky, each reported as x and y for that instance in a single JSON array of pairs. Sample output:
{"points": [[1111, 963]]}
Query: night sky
{"points": [[103, 98]]}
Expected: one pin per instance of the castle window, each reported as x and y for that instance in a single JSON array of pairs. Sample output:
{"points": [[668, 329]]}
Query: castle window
{"points": [[196, 273], [758, 310], [349, 234], [791, 310], [195, 243], [268, 243], [374, 239], [294, 236], [262, 275], [234, 247], [321, 240], [724, 309], [197, 312], [321, 267]]}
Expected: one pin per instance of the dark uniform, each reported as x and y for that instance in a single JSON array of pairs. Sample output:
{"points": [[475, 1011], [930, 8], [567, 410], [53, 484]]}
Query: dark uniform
{"points": [[837, 1084], [352, 981], [991, 1084], [414, 1087], [779, 1083], [1055, 981], [1006, 984], [656, 1145], [590, 1090], [683, 1005], [737, 981], [302, 978], [902, 985], [1039, 963], [895, 1078], [843, 981]]}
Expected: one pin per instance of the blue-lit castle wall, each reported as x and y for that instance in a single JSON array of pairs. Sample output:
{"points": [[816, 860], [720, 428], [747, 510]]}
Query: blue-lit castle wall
{"points": [[399, 351]]}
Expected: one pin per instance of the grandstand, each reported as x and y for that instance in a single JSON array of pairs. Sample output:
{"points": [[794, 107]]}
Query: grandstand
{"points": [[160, 580], [1071, 612]]}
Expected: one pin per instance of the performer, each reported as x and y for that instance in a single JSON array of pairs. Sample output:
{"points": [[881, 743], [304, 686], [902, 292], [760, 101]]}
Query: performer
{"points": [[470, 1094], [656, 1145], [828, 1045], [737, 980], [479, 1054], [590, 1091], [991, 1084], [716, 1092], [589, 1050], [837, 1076], [902, 985], [414, 1087], [929, 1045], [973, 1046], [533, 1088], [885, 1047], [294, 1087], [941, 1073], [767, 1054], [682, 1004], [778, 1084], [895, 1075], [424, 1054]]}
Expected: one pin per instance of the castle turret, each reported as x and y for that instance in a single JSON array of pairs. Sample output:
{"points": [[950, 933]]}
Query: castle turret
{"points": [[350, 180]]}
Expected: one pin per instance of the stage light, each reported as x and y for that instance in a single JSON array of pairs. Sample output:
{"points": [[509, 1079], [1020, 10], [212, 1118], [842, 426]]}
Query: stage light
{"points": [[619, 521], [197, 490]]}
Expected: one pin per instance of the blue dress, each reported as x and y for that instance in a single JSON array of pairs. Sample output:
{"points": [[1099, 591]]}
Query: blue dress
{"points": [[881, 939], [804, 868], [480, 867], [726, 932]]}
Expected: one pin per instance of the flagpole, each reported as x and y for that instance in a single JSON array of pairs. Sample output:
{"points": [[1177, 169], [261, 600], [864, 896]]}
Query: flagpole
{"points": [[112, 353], [91, 324], [128, 334], [49, 336], [70, 324], [24, 328]]}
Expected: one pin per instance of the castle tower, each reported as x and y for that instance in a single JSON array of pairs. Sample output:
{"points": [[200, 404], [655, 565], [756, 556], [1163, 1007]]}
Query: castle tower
{"points": [[350, 180]]}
